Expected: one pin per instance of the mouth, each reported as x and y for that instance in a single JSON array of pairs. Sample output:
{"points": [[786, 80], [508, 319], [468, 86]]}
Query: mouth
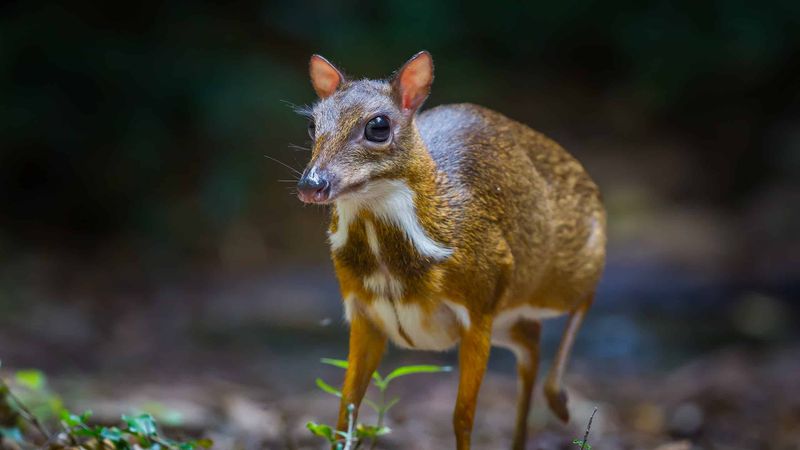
{"points": [[348, 190], [332, 195]]}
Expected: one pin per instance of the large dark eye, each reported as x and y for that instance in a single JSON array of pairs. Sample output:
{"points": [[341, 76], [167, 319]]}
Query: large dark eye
{"points": [[377, 129], [312, 129]]}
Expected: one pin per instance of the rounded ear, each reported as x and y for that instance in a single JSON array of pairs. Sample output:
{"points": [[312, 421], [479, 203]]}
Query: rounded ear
{"points": [[325, 77], [413, 81]]}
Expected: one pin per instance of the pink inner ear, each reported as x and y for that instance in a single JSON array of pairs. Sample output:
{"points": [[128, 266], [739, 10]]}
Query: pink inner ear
{"points": [[324, 77], [415, 82]]}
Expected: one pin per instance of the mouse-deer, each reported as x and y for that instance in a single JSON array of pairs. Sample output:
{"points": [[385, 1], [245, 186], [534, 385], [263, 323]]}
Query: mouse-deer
{"points": [[456, 225]]}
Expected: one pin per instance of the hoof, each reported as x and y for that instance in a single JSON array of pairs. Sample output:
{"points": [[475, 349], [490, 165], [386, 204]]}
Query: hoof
{"points": [[557, 400]]}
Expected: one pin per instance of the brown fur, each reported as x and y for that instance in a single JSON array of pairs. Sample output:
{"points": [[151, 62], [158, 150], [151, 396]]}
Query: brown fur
{"points": [[524, 222]]}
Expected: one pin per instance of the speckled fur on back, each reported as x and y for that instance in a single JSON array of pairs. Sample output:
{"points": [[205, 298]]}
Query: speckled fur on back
{"points": [[525, 189]]}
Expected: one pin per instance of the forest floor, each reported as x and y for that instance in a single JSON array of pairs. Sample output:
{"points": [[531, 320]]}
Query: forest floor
{"points": [[732, 399], [235, 361]]}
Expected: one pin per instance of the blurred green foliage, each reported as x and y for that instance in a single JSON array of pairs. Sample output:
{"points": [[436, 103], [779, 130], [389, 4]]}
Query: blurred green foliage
{"points": [[25, 418], [143, 127]]}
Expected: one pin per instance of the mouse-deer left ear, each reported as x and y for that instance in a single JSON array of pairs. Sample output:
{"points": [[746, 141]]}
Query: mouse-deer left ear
{"points": [[325, 77], [412, 83]]}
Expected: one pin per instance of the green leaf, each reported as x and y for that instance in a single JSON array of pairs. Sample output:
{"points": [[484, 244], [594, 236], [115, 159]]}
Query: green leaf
{"points": [[372, 405], [143, 441], [579, 443], [13, 433], [408, 370], [56, 405], [113, 434], [74, 420], [391, 403], [71, 420], [163, 414], [143, 425], [93, 432], [371, 431], [321, 430], [31, 379], [342, 364], [328, 388], [204, 443]]}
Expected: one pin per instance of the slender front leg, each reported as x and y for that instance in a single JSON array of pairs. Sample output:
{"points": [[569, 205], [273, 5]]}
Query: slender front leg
{"points": [[472, 358], [367, 344]]}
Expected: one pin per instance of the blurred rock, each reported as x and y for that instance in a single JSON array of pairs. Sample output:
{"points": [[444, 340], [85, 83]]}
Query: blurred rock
{"points": [[686, 420], [679, 445], [648, 418], [250, 418], [760, 316]]}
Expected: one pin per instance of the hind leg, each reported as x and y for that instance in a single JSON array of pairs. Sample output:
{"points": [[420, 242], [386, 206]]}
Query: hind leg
{"points": [[525, 334], [522, 338], [553, 391]]}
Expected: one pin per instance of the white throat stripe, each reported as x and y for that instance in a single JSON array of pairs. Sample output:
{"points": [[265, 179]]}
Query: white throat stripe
{"points": [[391, 201]]}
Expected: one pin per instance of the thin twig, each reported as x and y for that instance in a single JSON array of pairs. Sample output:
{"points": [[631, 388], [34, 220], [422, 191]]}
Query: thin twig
{"points": [[588, 427], [25, 412], [348, 439], [161, 442], [381, 415]]}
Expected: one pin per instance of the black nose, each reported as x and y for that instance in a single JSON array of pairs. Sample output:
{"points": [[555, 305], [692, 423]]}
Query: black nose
{"points": [[313, 184], [313, 188]]}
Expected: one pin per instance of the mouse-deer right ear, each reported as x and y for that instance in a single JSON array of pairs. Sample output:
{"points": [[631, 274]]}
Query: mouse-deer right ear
{"points": [[325, 77], [413, 81]]}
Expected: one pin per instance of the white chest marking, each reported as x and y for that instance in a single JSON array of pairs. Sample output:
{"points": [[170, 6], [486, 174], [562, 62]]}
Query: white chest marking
{"points": [[372, 239], [381, 282], [348, 307], [406, 324], [384, 284], [393, 202], [339, 238]]}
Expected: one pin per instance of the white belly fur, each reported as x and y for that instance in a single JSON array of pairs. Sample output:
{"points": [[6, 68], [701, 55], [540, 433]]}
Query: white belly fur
{"points": [[501, 328], [438, 330]]}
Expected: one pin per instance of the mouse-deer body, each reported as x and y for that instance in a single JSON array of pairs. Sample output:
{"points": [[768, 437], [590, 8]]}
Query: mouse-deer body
{"points": [[454, 226]]}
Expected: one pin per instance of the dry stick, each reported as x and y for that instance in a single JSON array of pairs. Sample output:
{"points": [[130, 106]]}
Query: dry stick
{"points": [[32, 419], [24, 411], [588, 427]]}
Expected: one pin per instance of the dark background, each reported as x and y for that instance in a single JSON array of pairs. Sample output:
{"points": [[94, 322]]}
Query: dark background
{"points": [[143, 230]]}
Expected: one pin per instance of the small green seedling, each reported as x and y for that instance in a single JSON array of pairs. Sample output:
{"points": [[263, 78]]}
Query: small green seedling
{"points": [[584, 443], [29, 428], [138, 430], [357, 434]]}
